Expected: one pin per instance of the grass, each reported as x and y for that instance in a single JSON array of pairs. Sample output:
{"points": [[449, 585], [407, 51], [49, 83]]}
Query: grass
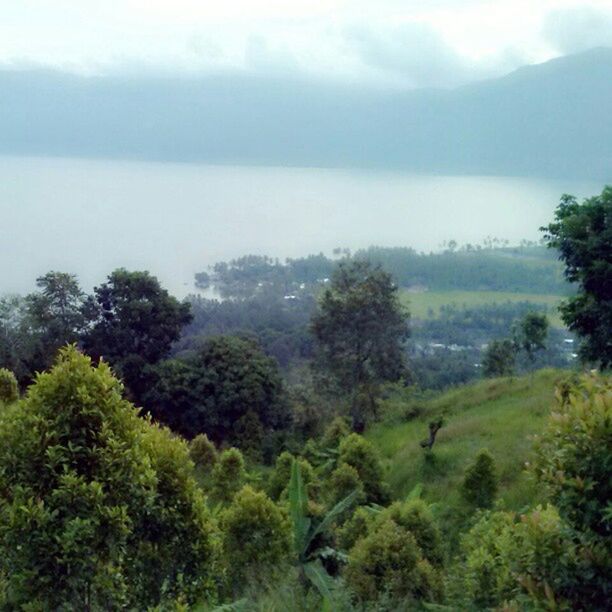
{"points": [[501, 415], [423, 304]]}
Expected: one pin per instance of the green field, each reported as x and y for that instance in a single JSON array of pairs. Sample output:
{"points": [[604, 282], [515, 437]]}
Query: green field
{"points": [[501, 415], [423, 304]]}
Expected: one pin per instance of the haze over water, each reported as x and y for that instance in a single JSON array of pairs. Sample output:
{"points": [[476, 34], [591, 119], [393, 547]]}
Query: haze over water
{"points": [[90, 217]]}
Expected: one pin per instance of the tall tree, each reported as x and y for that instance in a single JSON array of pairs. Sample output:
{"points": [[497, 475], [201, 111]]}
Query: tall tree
{"points": [[134, 323], [531, 333], [583, 235], [360, 328]]}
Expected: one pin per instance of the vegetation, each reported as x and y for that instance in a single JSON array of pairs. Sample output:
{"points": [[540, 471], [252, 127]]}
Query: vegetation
{"points": [[582, 233], [9, 390], [480, 483]]}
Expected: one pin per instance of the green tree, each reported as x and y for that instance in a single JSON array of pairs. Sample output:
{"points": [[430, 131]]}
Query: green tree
{"points": [[228, 474], [256, 537], [359, 453], [388, 562], [360, 328], [203, 452], [211, 391], [499, 358], [9, 390], [480, 481], [531, 333], [55, 311], [582, 233], [133, 324], [98, 507]]}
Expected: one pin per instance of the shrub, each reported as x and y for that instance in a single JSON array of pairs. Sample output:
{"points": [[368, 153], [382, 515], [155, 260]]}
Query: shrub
{"points": [[343, 481], [415, 516], [203, 452], [574, 456], [279, 480], [527, 562], [335, 432], [359, 453], [256, 535], [388, 560], [480, 482], [355, 528], [228, 474], [9, 390], [98, 507]]}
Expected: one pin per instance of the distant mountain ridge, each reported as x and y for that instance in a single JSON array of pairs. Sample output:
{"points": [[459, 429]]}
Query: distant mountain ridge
{"points": [[551, 119]]}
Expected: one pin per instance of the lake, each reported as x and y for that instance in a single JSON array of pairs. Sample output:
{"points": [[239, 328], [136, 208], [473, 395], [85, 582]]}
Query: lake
{"points": [[92, 216]]}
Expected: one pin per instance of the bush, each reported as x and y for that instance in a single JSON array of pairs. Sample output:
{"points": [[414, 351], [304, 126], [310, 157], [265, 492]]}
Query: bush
{"points": [[480, 482], [228, 474], [574, 455], [527, 562], [359, 453], [415, 516], [98, 507], [9, 390], [279, 480], [355, 528], [388, 561], [335, 432], [342, 482], [203, 452], [256, 536]]}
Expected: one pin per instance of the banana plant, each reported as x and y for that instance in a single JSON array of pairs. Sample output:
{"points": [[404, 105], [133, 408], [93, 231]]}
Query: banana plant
{"points": [[305, 532]]}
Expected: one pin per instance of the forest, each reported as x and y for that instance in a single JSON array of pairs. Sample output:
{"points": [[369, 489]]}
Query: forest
{"points": [[302, 440]]}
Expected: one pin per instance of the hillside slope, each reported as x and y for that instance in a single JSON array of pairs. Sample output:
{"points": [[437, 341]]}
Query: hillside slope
{"points": [[501, 415]]}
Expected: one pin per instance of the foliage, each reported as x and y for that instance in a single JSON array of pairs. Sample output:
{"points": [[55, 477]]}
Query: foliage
{"points": [[9, 390], [582, 233], [210, 391], [280, 477], [415, 516], [499, 358], [256, 536], [134, 322], [480, 482], [359, 329], [355, 528], [360, 454], [531, 333], [335, 432], [388, 560], [98, 508], [203, 452], [574, 458], [526, 561], [342, 482], [228, 474]]}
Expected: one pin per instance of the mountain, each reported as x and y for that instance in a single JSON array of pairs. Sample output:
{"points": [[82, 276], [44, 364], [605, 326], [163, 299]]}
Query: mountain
{"points": [[551, 119]]}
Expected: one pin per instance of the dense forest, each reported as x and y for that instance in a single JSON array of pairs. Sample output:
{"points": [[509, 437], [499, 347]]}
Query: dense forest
{"points": [[303, 441]]}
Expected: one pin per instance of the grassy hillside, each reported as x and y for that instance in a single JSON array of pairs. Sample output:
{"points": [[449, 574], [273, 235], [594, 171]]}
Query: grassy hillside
{"points": [[501, 415], [425, 304]]}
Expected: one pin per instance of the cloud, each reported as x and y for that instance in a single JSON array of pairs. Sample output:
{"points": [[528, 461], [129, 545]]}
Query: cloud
{"points": [[578, 28]]}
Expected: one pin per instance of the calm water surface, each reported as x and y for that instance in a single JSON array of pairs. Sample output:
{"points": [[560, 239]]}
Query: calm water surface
{"points": [[90, 217]]}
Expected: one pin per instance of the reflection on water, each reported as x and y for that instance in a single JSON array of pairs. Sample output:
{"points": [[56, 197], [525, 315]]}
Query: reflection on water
{"points": [[90, 217]]}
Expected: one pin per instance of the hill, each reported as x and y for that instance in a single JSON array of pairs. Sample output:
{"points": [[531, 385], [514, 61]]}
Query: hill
{"points": [[501, 415], [544, 120]]}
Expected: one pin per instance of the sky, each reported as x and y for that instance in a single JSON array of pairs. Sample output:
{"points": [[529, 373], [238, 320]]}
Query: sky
{"points": [[379, 43]]}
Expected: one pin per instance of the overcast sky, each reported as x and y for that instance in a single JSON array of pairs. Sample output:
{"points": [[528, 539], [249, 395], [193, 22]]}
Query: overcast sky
{"points": [[400, 43]]}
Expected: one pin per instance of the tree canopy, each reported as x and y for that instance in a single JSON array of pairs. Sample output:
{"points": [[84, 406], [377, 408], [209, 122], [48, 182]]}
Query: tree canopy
{"points": [[582, 233]]}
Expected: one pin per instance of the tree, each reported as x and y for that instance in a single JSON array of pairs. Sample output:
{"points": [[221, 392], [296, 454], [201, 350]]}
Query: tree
{"points": [[228, 378], [134, 323], [359, 328], [98, 507], [228, 474], [480, 482], [582, 233], [203, 452], [9, 390], [531, 333], [256, 536], [499, 358]]}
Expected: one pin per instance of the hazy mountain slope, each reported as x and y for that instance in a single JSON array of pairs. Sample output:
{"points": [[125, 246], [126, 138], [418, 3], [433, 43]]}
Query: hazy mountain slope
{"points": [[552, 119]]}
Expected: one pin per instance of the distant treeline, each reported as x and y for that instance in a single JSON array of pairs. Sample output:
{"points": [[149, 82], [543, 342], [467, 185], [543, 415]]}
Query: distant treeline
{"points": [[524, 269]]}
